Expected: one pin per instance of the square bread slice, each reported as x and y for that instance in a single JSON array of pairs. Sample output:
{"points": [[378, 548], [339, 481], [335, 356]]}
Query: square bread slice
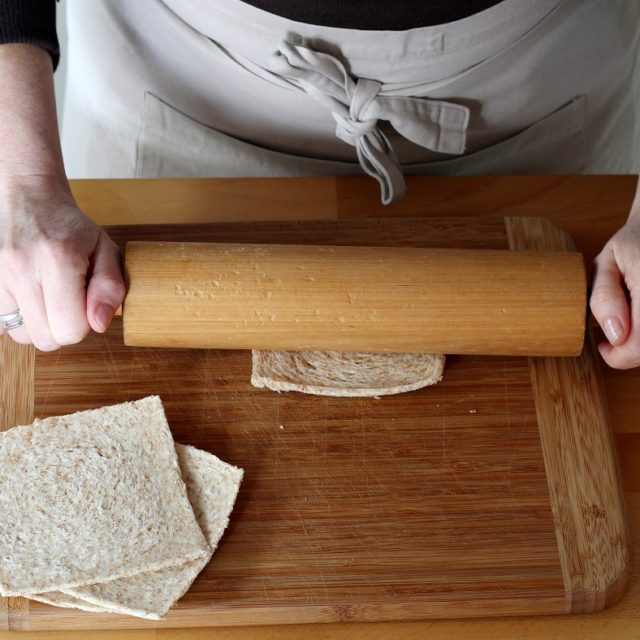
{"points": [[91, 497], [212, 487], [345, 374]]}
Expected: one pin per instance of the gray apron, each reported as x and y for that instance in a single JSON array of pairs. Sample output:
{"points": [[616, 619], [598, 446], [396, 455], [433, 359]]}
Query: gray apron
{"points": [[220, 88]]}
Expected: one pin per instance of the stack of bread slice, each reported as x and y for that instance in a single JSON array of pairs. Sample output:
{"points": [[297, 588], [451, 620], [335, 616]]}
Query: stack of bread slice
{"points": [[100, 510]]}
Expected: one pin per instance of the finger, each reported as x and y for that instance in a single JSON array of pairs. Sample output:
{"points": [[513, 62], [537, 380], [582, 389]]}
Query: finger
{"points": [[30, 300], [105, 291], [624, 357], [8, 304], [627, 354], [608, 299], [64, 291]]}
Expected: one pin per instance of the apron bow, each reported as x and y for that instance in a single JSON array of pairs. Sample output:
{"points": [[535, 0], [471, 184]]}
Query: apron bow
{"points": [[357, 105]]}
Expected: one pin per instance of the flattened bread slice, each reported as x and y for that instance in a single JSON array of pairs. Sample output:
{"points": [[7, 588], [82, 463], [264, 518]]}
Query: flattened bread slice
{"points": [[92, 497], [212, 486], [335, 373]]}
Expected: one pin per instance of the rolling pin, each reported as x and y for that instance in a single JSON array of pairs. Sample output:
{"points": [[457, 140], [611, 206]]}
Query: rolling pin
{"points": [[233, 296]]}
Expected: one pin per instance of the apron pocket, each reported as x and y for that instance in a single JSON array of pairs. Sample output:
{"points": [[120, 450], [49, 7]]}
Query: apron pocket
{"points": [[172, 144], [554, 144]]}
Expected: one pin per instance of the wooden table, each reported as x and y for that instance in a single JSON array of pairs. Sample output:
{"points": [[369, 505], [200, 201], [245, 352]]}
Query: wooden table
{"points": [[589, 208]]}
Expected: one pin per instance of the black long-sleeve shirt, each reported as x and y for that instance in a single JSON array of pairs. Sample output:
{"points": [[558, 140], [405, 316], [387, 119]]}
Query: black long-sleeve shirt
{"points": [[34, 21], [30, 22]]}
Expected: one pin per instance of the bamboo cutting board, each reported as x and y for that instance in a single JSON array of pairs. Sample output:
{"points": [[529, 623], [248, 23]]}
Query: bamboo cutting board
{"points": [[493, 493]]}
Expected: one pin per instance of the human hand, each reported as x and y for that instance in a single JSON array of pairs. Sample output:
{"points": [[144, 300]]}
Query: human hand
{"points": [[57, 266], [615, 294]]}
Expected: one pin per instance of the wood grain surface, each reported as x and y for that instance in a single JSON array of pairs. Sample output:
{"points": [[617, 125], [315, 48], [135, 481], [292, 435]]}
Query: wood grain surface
{"points": [[428, 504], [588, 509], [274, 296], [16, 407], [591, 208]]}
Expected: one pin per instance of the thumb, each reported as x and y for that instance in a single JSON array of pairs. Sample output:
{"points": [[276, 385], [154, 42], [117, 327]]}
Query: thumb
{"points": [[608, 298], [105, 289]]}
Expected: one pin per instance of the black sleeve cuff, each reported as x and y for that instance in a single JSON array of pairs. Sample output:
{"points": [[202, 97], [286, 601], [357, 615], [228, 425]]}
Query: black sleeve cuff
{"points": [[30, 22]]}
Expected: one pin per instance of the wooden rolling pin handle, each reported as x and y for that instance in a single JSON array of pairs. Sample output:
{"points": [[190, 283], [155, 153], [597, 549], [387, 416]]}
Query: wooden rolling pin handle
{"points": [[354, 299]]}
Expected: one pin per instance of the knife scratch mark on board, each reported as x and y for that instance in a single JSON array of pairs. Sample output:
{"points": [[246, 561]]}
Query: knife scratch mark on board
{"points": [[506, 393], [276, 470], [425, 466], [211, 389], [444, 435], [111, 364], [360, 416], [203, 396], [295, 565], [51, 380], [316, 558], [132, 366], [275, 588], [323, 439], [508, 408]]}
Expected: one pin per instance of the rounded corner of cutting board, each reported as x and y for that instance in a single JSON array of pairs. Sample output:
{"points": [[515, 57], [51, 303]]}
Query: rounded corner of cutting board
{"points": [[593, 598], [618, 587]]}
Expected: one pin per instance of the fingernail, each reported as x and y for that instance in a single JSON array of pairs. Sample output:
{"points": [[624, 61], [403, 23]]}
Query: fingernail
{"points": [[104, 313], [612, 329]]}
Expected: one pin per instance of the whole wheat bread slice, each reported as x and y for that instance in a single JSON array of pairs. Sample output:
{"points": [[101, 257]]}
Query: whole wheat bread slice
{"points": [[91, 497], [212, 487], [352, 374], [61, 599]]}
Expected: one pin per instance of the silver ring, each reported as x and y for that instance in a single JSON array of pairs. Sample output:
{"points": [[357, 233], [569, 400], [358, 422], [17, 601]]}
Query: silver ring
{"points": [[11, 321]]}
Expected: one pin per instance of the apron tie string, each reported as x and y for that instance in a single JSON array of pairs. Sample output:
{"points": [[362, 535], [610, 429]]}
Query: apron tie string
{"points": [[357, 106]]}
